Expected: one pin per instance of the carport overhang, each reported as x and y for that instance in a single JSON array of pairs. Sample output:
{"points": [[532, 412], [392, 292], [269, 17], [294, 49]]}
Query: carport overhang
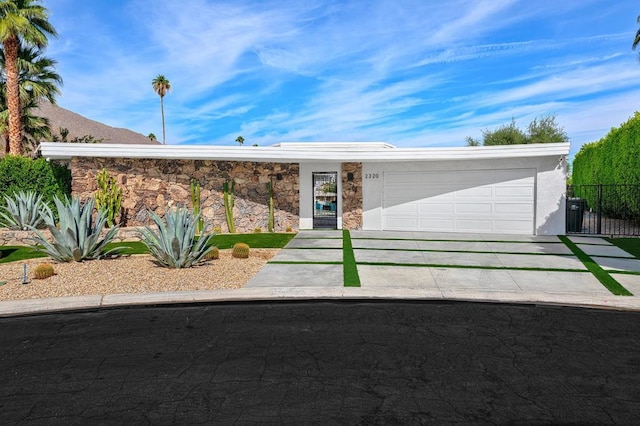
{"points": [[304, 152]]}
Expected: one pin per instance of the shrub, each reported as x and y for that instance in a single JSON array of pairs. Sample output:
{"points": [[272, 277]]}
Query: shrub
{"points": [[23, 211], [240, 251], [212, 254], [25, 174], [613, 160], [174, 244], [44, 270], [77, 235]]}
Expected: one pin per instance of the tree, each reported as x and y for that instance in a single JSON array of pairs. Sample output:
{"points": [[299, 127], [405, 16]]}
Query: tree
{"points": [[161, 86], [22, 23], [152, 137], [504, 135], [636, 40], [546, 130], [37, 81], [240, 140], [540, 130]]}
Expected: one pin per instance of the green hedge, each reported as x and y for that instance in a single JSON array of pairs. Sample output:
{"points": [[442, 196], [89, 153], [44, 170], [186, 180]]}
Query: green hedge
{"points": [[613, 160], [26, 174]]}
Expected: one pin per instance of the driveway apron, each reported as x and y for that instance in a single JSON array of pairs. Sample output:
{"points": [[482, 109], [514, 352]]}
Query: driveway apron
{"points": [[451, 265]]}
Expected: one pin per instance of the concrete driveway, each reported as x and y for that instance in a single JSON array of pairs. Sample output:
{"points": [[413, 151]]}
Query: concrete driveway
{"points": [[494, 267]]}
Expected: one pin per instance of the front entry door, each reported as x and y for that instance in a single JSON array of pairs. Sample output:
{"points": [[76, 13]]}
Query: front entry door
{"points": [[325, 200]]}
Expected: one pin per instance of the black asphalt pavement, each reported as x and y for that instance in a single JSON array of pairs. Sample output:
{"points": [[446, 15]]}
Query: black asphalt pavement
{"points": [[322, 363]]}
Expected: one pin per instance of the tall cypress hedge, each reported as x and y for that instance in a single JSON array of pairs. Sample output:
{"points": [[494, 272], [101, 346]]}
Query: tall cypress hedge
{"points": [[26, 174], [613, 160]]}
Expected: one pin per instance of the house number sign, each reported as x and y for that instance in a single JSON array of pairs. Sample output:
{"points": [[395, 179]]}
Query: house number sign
{"points": [[371, 175]]}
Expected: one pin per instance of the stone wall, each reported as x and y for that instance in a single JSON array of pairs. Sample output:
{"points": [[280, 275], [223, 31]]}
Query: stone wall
{"points": [[160, 184], [352, 196]]}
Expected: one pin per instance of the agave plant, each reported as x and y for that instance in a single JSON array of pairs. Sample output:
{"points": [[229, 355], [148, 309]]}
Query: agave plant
{"points": [[174, 244], [77, 235], [23, 211]]}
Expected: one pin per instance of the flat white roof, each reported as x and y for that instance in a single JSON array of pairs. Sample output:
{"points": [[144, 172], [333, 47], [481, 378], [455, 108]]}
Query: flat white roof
{"points": [[299, 152]]}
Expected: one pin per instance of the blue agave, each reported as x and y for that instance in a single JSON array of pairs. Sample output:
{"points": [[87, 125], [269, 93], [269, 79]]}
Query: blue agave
{"points": [[23, 211], [77, 235], [174, 244]]}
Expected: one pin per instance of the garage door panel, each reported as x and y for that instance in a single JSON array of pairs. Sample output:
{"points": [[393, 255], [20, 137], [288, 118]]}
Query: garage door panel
{"points": [[428, 209], [512, 175], [514, 191], [473, 208], [408, 208], [513, 208], [464, 201], [473, 225], [480, 192]]}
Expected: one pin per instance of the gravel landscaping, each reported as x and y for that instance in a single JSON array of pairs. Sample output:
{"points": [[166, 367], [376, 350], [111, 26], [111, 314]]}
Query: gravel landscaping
{"points": [[129, 274]]}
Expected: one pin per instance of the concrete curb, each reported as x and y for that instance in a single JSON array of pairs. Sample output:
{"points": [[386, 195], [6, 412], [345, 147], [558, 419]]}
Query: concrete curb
{"points": [[276, 294]]}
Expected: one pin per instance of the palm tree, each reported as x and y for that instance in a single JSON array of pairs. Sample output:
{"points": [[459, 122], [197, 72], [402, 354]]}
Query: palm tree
{"points": [[161, 86], [636, 40], [22, 23], [38, 81], [240, 140]]}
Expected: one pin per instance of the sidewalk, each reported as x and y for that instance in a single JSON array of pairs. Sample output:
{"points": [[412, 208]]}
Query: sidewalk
{"points": [[411, 266]]}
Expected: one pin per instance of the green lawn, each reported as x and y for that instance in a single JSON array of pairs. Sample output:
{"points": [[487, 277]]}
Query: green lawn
{"points": [[222, 241], [630, 245]]}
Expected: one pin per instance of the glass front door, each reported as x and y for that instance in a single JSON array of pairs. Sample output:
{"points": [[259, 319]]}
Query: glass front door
{"points": [[325, 200]]}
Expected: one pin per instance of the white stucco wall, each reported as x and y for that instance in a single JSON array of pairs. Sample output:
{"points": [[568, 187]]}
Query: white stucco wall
{"points": [[306, 190], [549, 196]]}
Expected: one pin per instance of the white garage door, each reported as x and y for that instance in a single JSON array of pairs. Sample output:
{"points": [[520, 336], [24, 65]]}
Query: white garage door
{"points": [[487, 201]]}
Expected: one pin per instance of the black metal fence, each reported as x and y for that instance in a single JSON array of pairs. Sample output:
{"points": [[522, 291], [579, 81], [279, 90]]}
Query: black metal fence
{"points": [[603, 209]]}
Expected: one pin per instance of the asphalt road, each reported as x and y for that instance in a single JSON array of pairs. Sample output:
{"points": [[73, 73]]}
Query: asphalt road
{"points": [[322, 363]]}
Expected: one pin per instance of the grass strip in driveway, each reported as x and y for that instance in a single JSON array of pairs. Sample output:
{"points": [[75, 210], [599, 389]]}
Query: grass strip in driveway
{"points": [[293, 262], [350, 269], [603, 276], [497, 268], [466, 251]]}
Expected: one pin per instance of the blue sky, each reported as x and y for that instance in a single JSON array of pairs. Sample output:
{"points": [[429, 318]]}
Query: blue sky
{"points": [[406, 72]]}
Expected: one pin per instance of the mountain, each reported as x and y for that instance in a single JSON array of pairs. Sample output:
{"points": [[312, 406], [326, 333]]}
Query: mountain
{"points": [[80, 126]]}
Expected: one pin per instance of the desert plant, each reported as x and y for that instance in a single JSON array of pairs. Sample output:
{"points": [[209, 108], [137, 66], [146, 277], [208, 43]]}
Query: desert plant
{"points": [[42, 271], [240, 251], [271, 225], [212, 254], [229, 203], [174, 244], [108, 196], [257, 230], [289, 229], [23, 210], [217, 229], [195, 201], [77, 235]]}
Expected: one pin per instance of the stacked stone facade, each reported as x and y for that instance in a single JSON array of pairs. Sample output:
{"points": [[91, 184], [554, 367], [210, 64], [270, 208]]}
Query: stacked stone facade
{"points": [[352, 196], [157, 185]]}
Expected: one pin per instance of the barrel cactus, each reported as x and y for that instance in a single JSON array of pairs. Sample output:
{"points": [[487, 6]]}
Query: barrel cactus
{"points": [[240, 251], [42, 271]]}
